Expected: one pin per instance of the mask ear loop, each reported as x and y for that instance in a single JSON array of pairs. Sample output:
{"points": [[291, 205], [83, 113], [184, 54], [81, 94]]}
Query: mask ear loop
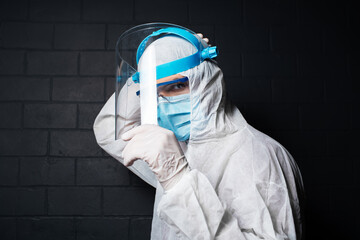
{"points": [[161, 96]]}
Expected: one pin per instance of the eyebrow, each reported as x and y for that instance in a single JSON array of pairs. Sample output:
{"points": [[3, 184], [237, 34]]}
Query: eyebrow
{"points": [[184, 79]]}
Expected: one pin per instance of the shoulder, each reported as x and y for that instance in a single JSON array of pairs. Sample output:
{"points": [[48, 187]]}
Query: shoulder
{"points": [[270, 160]]}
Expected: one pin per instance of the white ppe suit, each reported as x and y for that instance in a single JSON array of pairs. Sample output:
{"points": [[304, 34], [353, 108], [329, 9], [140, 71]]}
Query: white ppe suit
{"points": [[242, 183]]}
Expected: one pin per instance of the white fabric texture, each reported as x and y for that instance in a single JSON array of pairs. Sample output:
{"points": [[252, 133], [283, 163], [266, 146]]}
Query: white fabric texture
{"points": [[242, 183]]}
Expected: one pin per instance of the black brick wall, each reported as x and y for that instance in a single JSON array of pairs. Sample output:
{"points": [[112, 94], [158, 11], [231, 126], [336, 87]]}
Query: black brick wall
{"points": [[289, 66]]}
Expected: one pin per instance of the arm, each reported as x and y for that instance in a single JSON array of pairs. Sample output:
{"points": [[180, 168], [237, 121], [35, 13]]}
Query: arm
{"points": [[104, 129], [193, 209]]}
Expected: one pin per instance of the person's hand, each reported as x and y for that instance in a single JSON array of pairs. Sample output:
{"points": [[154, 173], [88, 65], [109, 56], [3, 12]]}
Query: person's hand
{"points": [[128, 107], [202, 37], [159, 148]]}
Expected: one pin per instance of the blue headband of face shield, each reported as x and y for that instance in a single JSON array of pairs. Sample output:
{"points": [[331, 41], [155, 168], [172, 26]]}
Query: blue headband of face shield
{"points": [[179, 65]]}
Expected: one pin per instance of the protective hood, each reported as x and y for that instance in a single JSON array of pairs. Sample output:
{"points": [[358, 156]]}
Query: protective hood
{"points": [[211, 115], [246, 168]]}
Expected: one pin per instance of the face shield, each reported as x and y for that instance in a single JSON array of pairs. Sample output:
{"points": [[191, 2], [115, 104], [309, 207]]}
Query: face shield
{"points": [[149, 59]]}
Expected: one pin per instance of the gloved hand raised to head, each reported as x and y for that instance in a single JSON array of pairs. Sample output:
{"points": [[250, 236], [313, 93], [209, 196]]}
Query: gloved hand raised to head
{"points": [[159, 148], [128, 113]]}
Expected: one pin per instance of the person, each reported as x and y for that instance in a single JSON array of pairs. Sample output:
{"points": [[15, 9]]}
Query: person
{"points": [[216, 177]]}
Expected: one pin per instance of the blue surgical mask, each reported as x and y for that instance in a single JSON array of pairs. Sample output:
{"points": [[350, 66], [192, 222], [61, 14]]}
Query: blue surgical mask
{"points": [[174, 115]]}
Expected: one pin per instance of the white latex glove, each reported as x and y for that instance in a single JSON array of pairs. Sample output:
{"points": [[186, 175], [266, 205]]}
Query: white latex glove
{"points": [[202, 37], [159, 148], [129, 107]]}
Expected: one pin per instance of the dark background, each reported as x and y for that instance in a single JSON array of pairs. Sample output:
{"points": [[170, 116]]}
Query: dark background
{"points": [[289, 66]]}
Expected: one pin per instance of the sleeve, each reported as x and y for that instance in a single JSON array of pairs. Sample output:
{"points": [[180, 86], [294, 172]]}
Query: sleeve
{"points": [[104, 129], [194, 211]]}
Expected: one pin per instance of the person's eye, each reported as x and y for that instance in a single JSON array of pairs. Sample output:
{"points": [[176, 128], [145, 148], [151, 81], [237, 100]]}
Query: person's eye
{"points": [[174, 88], [178, 86]]}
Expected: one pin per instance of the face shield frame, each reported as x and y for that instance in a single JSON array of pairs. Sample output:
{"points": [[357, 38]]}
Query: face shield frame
{"points": [[130, 72]]}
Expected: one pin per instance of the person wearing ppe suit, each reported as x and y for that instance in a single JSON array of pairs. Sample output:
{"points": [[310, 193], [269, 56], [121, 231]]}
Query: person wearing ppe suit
{"points": [[216, 177]]}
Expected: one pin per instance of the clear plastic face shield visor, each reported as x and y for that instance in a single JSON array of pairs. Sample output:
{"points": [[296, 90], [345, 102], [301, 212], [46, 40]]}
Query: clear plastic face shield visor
{"points": [[149, 59]]}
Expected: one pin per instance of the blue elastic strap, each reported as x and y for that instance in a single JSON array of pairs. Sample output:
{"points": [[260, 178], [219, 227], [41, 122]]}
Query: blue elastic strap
{"points": [[178, 65], [172, 30]]}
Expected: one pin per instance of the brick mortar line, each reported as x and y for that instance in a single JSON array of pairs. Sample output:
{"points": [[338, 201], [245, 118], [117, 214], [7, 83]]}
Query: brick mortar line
{"points": [[188, 12], [78, 187], [19, 171], [45, 187], [56, 50], [51, 88], [106, 41], [74, 217], [325, 92], [297, 12], [75, 224], [22, 116], [81, 11], [53, 36], [46, 202], [269, 32], [58, 75], [133, 11], [60, 157], [16, 227], [77, 120], [54, 156], [70, 22], [75, 172], [78, 67], [25, 63], [19, 175], [105, 88], [49, 129], [300, 123], [65, 102], [243, 13], [130, 223], [28, 10], [48, 147], [102, 202], [298, 66]]}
